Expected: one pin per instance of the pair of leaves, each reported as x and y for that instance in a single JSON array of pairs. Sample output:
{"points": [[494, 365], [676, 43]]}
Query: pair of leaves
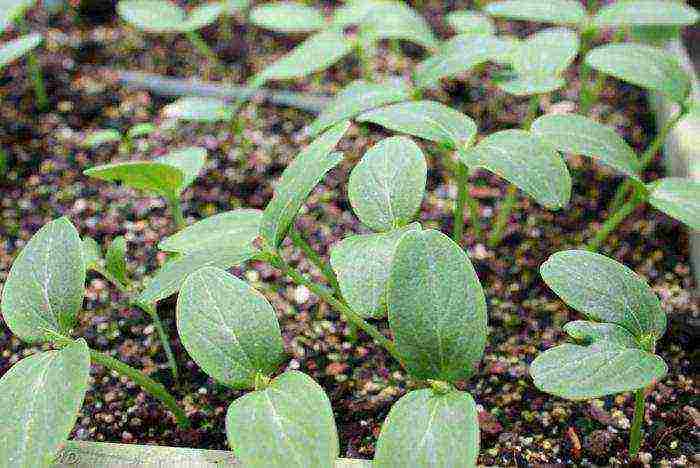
{"points": [[16, 48], [114, 260], [164, 16], [630, 313]]}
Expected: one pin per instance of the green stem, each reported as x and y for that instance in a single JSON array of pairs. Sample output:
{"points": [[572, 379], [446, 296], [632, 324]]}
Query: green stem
{"points": [[123, 288], [176, 211], [203, 48], [42, 100], [614, 221], [316, 259], [149, 385], [151, 310], [637, 421], [463, 199]]}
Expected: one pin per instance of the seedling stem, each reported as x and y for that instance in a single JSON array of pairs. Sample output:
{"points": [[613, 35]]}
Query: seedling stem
{"points": [[316, 259], [637, 420], [613, 221], [151, 310], [463, 199], [176, 211]]}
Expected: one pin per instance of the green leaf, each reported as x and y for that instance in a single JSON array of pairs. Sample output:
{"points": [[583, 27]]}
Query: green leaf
{"points": [[115, 259], [642, 65], [12, 50], [427, 429], [387, 186], [228, 328], [362, 264], [232, 7], [12, 10], [603, 368], [525, 161], [140, 130], [437, 308], [157, 177], [563, 12], [677, 197], [396, 20], [100, 137], [646, 13], [297, 182], [198, 109], [289, 424], [92, 254], [230, 230], [288, 17], [40, 397], [604, 290], [46, 284], [353, 12], [425, 119], [576, 134], [357, 97], [202, 16], [189, 161], [590, 332], [471, 22], [539, 62], [157, 16], [459, 54], [315, 54]]}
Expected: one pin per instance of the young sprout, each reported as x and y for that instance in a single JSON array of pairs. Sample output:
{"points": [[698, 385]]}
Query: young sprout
{"points": [[617, 341], [126, 141]]}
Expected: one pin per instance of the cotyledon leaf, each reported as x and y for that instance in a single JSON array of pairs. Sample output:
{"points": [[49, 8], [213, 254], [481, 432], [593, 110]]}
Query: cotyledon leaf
{"points": [[189, 160], [233, 228], [288, 424], [642, 65], [92, 254], [564, 12], [46, 284], [158, 16], [202, 15], [590, 332], [425, 119], [157, 177], [353, 12], [387, 186], [437, 308], [677, 197], [397, 20], [471, 22], [115, 259], [427, 429], [646, 13], [297, 181], [357, 97], [602, 368], [40, 397], [362, 264], [100, 137], [287, 17], [198, 109], [527, 162], [16, 48], [228, 328], [605, 290], [576, 134]]}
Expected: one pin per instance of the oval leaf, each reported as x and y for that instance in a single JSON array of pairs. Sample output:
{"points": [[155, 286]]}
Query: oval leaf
{"points": [[357, 97], [679, 198], [100, 137], [353, 12], [604, 290], [426, 429], [46, 284], [202, 16], [288, 424], [228, 328], [198, 109], [386, 187], [646, 13], [603, 368], [160, 178], [40, 397], [287, 17], [576, 134], [591, 332], [92, 254], [158, 16], [471, 22], [642, 65], [188, 160], [425, 119], [437, 308], [12, 50], [363, 264], [525, 161], [564, 12], [396, 20], [115, 259], [297, 182]]}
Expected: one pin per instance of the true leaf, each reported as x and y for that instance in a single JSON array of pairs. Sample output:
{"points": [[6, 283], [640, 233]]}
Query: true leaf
{"points": [[386, 187], [576, 134], [288, 424], [396, 20], [425, 119], [677, 197], [427, 429], [16, 48], [524, 160], [188, 160], [92, 254], [287, 17], [590, 332], [233, 229], [115, 259], [642, 65], [100, 137], [45, 287], [437, 308], [158, 16], [40, 397], [202, 15], [603, 368], [471, 22], [646, 13], [604, 290], [160, 178], [228, 328], [297, 182], [198, 109], [564, 12], [362, 264], [357, 97]]}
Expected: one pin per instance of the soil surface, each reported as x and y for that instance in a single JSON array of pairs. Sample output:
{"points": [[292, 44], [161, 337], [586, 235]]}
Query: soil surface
{"points": [[520, 426]]}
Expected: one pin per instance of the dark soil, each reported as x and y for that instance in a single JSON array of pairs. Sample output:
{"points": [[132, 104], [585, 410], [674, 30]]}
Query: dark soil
{"points": [[520, 426]]}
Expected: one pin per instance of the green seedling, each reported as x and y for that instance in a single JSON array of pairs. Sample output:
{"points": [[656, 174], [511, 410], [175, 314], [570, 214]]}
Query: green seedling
{"points": [[615, 344], [42, 394], [126, 141]]}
